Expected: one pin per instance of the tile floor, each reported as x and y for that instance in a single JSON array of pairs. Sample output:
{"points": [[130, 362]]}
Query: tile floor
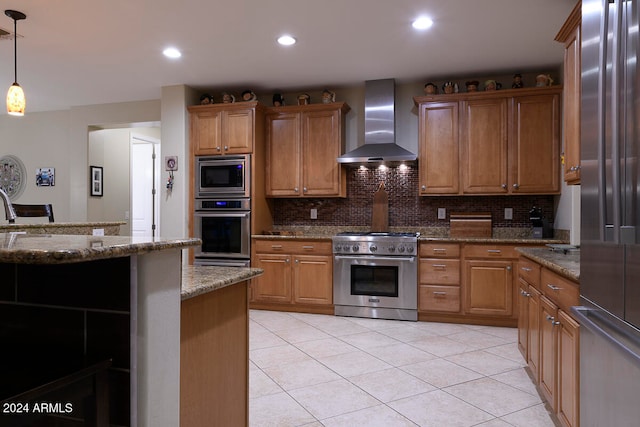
{"points": [[318, 370]]}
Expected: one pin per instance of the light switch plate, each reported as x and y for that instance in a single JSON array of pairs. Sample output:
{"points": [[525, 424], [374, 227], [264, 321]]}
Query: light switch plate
{"points": [[314, 213], [442, 213], [508, 213]]}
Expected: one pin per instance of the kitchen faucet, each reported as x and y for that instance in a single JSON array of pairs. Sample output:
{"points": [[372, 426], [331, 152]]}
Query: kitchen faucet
{"points": [[9, 212]]}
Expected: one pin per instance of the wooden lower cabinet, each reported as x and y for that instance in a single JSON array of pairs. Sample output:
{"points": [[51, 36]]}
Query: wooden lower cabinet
{"points": [[214, 358], [548, 351], [569, 373], [489, 287], [439, 279], [298, 276], [533, 359]]}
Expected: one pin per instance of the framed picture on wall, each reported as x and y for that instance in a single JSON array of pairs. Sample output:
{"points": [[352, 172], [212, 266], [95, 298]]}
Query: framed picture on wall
{"points": [[45, 177], [96, 180]]}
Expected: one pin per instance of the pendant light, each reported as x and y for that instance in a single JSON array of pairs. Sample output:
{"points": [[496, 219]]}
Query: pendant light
{"points": [[16, 101]]}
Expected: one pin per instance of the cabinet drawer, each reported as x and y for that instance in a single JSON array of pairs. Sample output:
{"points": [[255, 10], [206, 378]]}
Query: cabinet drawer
{"points": [[293, 246], [439, 271], [439, 250], [490, 251], [439, 298], [564, 293], [529, 271]]}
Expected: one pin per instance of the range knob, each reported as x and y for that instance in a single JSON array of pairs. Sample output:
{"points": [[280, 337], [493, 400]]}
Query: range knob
{"points": [[410, 249], [392, 248], [373, 248], [337, 248], [401, 248], [356, 248]]}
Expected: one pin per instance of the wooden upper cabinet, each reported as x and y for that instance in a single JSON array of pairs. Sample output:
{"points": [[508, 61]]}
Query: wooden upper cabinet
{"points": [[484, 145], [535, 144], [303, 143], [570, 36], [438, 148], [498, 142], [220, 129]]}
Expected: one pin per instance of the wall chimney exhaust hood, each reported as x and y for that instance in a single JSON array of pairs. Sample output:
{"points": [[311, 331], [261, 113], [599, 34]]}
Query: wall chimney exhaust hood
{"points": [[379, 128]]}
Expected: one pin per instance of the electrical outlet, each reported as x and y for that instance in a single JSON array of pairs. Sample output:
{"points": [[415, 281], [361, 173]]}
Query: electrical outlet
{"points": [[442, 213], [508, 213], [314, 213]]}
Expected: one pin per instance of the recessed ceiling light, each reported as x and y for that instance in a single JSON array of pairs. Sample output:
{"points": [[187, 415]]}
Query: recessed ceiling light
{"points": [[286, 40], [172, 52], [422, 23]]}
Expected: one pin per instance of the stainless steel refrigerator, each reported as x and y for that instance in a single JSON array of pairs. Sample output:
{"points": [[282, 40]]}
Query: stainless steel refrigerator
{"points": [[610, 222]]}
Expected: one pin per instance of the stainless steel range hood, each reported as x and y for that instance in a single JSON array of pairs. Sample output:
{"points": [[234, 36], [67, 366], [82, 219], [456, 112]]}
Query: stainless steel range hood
{"points": [[379, 128]]}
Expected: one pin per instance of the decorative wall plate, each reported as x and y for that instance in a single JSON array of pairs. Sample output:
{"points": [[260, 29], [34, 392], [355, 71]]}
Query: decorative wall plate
{"points": [[13, 176]]}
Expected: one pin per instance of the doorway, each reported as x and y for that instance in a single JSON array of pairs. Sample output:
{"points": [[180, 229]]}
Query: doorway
{"points": [[145, 185]]}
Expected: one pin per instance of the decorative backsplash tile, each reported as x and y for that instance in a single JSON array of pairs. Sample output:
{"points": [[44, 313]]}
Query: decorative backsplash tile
{"points": [[406, 208]]}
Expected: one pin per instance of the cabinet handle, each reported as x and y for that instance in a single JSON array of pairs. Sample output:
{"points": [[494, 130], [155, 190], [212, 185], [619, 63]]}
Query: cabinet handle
{"points": [[439, 294], [550, 318], [287, 260], [423, 188], [276, 247], [516, 186], [508, 268], [553, 287], [226, 148], [439, 266], [217, 148], [297, 261], [504, 186], [494, 251], [527, 269], [572, 169], [308, 247], [524, 293], [440, 250], [295, 189], [304, 189]]}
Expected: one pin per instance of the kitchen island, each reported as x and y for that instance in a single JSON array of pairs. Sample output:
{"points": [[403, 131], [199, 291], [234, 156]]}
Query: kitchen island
{"points": [[108, 305]]}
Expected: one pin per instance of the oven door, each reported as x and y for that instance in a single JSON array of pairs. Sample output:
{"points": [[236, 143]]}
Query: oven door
{"points": [[223, 176], [375, 281], [223, 234]]}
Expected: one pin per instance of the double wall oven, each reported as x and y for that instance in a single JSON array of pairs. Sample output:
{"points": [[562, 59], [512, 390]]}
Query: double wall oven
{"points": [[222, 217], [375, 275]]}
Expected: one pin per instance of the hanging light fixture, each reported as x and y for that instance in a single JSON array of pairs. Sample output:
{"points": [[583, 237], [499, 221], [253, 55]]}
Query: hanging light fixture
{"points": [[16, 102]]}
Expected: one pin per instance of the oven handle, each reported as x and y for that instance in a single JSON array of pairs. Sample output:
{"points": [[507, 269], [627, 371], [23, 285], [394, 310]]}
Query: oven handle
{"points": [[374, 258], [214, 214]]}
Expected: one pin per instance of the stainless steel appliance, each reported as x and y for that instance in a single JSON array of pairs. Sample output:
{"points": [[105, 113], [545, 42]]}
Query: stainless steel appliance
{"points": [[223, 176], [375, 275], [224, 225], [610, 236]]}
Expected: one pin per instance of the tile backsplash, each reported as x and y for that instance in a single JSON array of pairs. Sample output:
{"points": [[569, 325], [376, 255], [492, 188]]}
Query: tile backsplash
{"points": [[406, 208]]}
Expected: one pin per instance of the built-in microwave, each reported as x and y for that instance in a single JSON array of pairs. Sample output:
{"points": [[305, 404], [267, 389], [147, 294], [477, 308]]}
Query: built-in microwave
{"points": [[223, 176]]}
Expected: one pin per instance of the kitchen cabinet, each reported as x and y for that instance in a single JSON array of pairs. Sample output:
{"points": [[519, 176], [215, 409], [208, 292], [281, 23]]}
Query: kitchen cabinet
{"points": [[553, 337], [439, 278], [438, 155], [570, 36], [303, 143], [528, 278], [506, 142], [298, 275], [219, 129]]}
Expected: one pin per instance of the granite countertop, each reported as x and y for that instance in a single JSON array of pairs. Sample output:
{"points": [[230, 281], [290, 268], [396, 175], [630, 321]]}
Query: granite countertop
{"points": [[200, 279], [109, 227], [24, 248], [491, 240], [566, 265]]}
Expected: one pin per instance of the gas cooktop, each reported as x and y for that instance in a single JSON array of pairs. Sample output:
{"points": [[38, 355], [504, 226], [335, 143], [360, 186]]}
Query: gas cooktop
{"points": [[373, 242], [378, 233]]}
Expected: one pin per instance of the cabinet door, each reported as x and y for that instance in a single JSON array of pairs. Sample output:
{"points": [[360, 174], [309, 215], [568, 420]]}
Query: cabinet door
{"points": [[283, 155], [484, 146], [438, 148], [569, 370], [321, 173], [534, 150], [534, 333], [489, 287], [206, 132], [313, 279], [548, 351], [238, 131], [523, 318], [275, 283]]}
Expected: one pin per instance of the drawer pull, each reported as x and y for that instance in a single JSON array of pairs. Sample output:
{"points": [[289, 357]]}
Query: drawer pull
{"points": [[276, 247], [308, 247], [440, 250], [439, 294], [439, 266], [494, 251], [527, 269], [524, 293], [553, 287]]}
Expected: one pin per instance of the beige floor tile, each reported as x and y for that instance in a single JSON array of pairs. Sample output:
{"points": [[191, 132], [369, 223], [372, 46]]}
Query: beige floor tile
{"points": [[492, 396], [377, 416], [483, 362], [535, 416], [368, 340], [517, 378], [378, 324], [274, 356], [301, 333], [264, 339], [300, 374], [441, 373], [496, 422], [439, 409], [400, 354], [507, 334], [277, 410], [325, 347], [442, 329], [391, 384], [333, 398], [478, 339], [261, 385], [405, 334], [441, 346], [342, 329], [352, 364], [508, 351]]}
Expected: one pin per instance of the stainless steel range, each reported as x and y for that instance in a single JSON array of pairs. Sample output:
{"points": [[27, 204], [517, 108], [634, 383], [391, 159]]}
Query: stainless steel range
{"points": [[375, 275]]}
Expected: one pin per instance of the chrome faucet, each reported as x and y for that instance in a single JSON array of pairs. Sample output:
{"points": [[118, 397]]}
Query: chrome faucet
{"points": [[9, 212]]}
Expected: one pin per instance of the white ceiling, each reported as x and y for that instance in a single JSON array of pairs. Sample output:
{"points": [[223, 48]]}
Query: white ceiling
{"points": [[79, 52]]}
